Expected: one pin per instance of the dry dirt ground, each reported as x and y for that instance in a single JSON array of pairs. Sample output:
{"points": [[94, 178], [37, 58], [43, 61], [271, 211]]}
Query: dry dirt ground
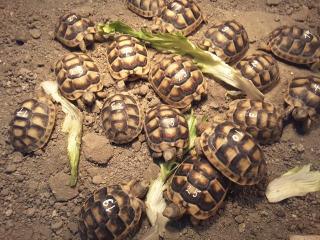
{"points": [[28, 207]]}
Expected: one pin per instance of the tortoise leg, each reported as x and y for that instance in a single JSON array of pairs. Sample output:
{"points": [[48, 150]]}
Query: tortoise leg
{"points": [[234, 94], [197, 146], [121, 85], [82, 46], [301, 115], [81, 104], [194, 221], [156, 155], [173, 211], [169, 154], [315, 67], [264, 46]]}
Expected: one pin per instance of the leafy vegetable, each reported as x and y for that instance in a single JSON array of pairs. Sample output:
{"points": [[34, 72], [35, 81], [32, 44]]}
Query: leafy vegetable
{"points": [[297, 182], [176, 43], [192, 123], [72, 125]]}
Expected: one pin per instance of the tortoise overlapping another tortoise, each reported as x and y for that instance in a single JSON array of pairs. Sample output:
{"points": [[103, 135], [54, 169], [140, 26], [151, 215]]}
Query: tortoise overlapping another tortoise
{"points": [[179, 16], [303, 100], [261, 69], [197, 189], [122, 118], [178, 81], [228, 40], [295, 45], [259, 118], [74, 30], [112, 212], [127, 59], [32, 124], [146, 8], [79, 79], [234, 152], [167, 132]]}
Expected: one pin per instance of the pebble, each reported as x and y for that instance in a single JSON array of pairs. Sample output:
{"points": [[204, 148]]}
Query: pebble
{"points": [[273, 2], [143, 90], [239, 219], [56, 226], [31, 212], [9, 212], [97, 179], [136, 146], [242, 227], [73, 227], [10, 169], [35, 33], [300, 148], [60, 189], [21, 38], [17, 157]]}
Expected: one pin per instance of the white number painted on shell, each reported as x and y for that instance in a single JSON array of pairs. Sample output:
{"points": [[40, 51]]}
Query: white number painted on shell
{"points": [[170, 122], [315, 87], [307, 34], [255, 63], [252, 114], [176, 6], [23, 113], [192, 193], [127, 52], [71, 18], [77, 70], [108, 204], [117, 106], [225, 29], [181, 75], [238, 136]]}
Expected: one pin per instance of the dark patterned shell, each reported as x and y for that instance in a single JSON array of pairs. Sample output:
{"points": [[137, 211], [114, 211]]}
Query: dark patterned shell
{"points": [[121, 118], [109, 214], [146, 8], [72, 29], [261, 119], [198, 187], [305, 92], [229, 41], [182, 16], [32, 124], [76, 74], [166, 127], [127, 57], [234, 153], [295, 45], [261, 69], [177, 80]]}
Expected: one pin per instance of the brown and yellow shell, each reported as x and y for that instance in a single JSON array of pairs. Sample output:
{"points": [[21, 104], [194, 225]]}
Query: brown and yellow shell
{"points": [[177, 81], [32, 124], [146, 8], [198, 187], [179, 16], [260, 119], [110, 213], [127, 58], [228, 40], [234, 152], [74, 30], [122, 118], [295, 45], [304, 92], [166, 129], [261, 69], [76, 74]]}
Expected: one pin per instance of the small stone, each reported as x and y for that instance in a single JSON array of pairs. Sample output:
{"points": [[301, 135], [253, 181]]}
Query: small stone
{"points": [[239, 219], [21, 38], [60, 189], [143, 90], [17, 157], [280, 212], [56, 226], [88, 120], [264, 214], [97, 149], [35, 33], [242, 227], [9, 212], [151, 172], [273, 2], [73, 227], [10, 169], [31, 212], [97, 179], [300, 148], [136, 146]]}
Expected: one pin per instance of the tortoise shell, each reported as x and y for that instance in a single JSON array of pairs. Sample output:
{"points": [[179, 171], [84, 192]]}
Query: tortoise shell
{"points": [[261, 69], [295, 45], [261, 119], [198, 187], [234, 152], [166, 129], [121, 118], [182, 16], [304, 93], [228, 40], [32, 124], [127, 57], [76, 74], [177, 80], [74, 30], [110, 213], [146, 8]]}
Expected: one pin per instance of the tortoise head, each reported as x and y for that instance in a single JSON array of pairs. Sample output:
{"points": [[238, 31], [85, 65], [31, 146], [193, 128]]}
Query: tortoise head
{"points": [[138, 188], [88, 98], [302, 116], [173, 211]]}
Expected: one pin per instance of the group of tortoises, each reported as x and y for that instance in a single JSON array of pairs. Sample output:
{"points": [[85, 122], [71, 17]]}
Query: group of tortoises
{"points": [[227, 151]]}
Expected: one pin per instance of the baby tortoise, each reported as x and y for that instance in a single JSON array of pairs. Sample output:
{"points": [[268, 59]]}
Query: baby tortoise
{"points": [[146, 8], [127, 59], [32, 124], [74, 30], [167, 132], [112, 212], [234, 152], [303, 100], [295, 45], [122, 118], [179, 16], [178, 81], [79, 79], [261, 69], [260, 119], [228, 40], [196, 188]]}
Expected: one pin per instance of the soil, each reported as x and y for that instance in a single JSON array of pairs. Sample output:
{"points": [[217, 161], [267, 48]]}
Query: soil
{"points": [[35, 203]]}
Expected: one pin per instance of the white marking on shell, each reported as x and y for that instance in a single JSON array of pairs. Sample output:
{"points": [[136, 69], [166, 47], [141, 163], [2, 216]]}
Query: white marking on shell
{"points": [[127, 51], [238, 136], [315, 87], [181, 75], [252, 114], [23, 113], [255, 63], [194, 193], [108, 204], [176, 6], [72, 18], [225, 29], [169, 122], [307, 34], [117, 106], [76, 71]]}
